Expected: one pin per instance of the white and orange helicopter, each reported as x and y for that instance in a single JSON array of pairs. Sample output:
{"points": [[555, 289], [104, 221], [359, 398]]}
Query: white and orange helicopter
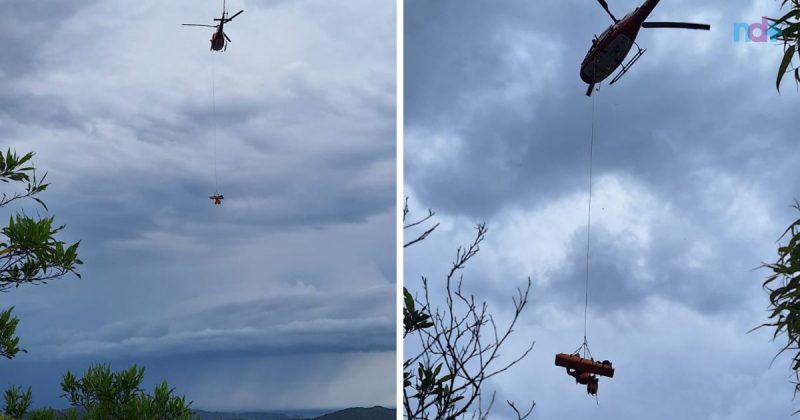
{"points": [[219, 40], [610, 49]]}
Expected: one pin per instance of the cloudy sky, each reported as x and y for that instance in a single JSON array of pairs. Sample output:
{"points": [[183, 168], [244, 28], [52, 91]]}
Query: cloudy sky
{"points": [[283, 297], [695, 167]]}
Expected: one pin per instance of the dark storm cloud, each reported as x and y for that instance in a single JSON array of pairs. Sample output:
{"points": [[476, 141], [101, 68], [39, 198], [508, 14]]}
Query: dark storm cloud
{"points": [[319, 323], [23, 108], [693, 173], [624, 276], [27, 27]]}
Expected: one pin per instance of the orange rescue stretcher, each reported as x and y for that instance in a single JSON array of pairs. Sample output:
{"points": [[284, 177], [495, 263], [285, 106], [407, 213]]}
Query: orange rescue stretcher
{"points": [[584, 370]]}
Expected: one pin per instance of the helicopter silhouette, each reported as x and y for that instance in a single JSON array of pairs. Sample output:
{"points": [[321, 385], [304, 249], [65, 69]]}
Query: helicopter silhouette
{"points": [[219, 40], [610, 49]]}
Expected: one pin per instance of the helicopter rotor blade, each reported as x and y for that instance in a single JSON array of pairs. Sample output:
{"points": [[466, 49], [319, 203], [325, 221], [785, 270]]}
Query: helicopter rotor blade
{"points": [[226, 37], [605, 6], [237, 14], [197, 24], [677, 25]]}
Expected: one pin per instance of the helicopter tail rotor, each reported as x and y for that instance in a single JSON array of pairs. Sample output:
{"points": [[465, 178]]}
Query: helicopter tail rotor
{"points": [[677, 25], [605, 6]]}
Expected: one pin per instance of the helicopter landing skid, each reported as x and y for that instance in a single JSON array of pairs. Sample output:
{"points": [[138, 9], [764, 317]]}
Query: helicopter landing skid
{"points": [[626, 67]]}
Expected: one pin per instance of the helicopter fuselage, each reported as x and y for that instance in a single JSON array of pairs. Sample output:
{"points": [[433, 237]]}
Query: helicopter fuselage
{"points": [[609, 50], [218, 40]]}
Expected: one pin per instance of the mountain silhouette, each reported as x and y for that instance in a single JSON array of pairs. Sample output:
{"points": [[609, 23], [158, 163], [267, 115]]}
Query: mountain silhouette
{"points": [[356, 413]]}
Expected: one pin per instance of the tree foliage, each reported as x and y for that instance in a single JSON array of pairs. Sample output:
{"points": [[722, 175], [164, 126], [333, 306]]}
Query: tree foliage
{"points": [[101, 394], [9, 342], [789, 25], [104, 394], [458, 344], [31, 254], [29, 251], [783, 287], [50, 414], [16, 402]]}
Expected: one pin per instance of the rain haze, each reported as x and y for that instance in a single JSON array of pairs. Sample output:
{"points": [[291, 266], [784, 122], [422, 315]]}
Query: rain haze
{"points": [[695, 169], [280, 298]]}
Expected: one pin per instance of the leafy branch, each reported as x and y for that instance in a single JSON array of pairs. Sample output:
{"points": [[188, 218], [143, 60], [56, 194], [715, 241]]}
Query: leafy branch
{"points": [[791, 41], [29, 251], [783, 287]]}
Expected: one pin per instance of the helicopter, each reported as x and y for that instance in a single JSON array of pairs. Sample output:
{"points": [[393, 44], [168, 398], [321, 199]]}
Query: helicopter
{"points": [[610, 49], [219, 40]]}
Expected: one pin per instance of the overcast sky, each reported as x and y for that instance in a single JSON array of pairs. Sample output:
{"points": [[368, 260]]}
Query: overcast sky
{"points": [[695, 167], [283, 297]]}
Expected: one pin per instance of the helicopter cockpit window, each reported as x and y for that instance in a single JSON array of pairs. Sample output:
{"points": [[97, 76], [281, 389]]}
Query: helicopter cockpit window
{"points": [[598, 38]]}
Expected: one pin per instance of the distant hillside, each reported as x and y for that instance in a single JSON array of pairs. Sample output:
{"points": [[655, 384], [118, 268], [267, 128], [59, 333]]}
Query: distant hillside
{"points": [[374, 413], [358, 413], [209, 415]]}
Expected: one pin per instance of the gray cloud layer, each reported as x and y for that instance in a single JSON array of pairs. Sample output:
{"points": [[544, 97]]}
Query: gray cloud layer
{"points": [[693, 176]]}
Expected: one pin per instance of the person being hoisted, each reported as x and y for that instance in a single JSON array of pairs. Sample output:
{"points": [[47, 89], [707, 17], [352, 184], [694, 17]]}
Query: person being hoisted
{"points": [[585, 378], [217, 198]]}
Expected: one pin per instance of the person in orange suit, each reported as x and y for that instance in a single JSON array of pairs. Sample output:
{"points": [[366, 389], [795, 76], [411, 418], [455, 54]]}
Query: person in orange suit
{"points": [[585, 378]]}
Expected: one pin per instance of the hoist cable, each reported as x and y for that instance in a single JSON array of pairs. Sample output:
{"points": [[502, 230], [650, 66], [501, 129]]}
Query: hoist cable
{"points": [[214, 117], [589, 228]]}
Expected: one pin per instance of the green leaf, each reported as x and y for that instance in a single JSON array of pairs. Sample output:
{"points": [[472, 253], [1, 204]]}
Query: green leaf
{"points": [[786, 17], [787, 59], [409, 300]]}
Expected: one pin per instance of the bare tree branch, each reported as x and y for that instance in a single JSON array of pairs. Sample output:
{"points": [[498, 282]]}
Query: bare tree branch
{"points": [[520, 415], [424, 234], [422, 237], [456, 354]]}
